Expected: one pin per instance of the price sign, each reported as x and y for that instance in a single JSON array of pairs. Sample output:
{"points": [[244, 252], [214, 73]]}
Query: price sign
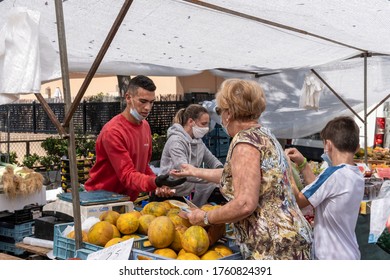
{"points": [[120, 251]]}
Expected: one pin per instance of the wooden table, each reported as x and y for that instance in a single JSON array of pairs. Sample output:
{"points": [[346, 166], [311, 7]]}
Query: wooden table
{"points": [[41, 251], [8, 257]]}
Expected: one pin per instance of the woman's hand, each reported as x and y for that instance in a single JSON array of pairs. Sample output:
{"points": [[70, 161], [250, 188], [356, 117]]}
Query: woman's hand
{"points": [[185, 171], [195, 217]]}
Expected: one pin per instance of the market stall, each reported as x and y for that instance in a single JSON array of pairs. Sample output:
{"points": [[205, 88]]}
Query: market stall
{"points": [[310, 46]]}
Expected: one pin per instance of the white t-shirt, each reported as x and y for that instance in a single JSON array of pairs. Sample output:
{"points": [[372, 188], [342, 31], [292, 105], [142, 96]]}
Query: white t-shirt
{"points": [[336, 195]]}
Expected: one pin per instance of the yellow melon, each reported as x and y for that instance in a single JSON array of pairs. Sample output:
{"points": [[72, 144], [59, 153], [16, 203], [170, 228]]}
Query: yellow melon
{"points": [[143, 258], [109, 216], [222, 250], [128, 236], [161, 232], [128, 223], [147, 243], [113, 241], [195, 240], [181, 252], [188, 256], [116, 232], [173, 210], [155, 208], [166, 252], [177, 220], [136, 213], [144, 222], [166, 204], [177, 204], [211, 255], [84, 235], [100, 233], [176, 243], [207, 207]]}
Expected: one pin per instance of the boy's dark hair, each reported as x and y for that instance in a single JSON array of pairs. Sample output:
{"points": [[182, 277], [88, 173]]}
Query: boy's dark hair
{"points": [[343, 132], [140, 81]]}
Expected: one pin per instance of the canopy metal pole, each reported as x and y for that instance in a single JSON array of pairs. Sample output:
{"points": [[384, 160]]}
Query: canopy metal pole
{"points": [[50, 114], [98, 60], [379, 104], [71, 139], [365, 55], [268, 22]]}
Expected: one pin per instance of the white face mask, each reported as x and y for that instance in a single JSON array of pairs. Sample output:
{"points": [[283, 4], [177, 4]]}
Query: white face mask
{"points": [[224, 127], [199, 132]]}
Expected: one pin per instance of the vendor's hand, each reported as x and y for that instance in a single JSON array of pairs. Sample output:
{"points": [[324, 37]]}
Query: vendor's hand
{"points": [[388, 224], [185, 171], [165, 180], [295, 155], [164, 191]]}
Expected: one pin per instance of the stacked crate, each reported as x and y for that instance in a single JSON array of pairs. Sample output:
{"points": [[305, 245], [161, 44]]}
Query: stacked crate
{"points": [[218, 142], [16, 226], [83, 167]]}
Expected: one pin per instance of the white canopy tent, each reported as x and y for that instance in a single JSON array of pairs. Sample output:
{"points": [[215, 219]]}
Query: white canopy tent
{"points": [[179, 37], [184, 37]]}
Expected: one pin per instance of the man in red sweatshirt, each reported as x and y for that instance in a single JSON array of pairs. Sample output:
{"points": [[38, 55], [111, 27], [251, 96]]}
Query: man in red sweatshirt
{"points": [[124, 148]]}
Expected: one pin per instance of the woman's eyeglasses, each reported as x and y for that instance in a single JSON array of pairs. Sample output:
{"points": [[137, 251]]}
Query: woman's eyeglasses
{"points": [[218, 111]]}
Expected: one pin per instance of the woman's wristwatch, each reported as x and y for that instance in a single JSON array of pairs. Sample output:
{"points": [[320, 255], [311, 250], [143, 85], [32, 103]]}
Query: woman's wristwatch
{"points": [[206, 219]]}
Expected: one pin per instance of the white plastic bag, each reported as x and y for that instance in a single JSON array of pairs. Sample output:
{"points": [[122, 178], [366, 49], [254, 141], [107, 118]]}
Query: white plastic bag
{"points": [[380, 211], [26, 55]]}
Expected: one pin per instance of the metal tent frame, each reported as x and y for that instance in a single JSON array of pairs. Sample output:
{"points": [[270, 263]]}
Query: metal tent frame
{"points": [[66, 129]]}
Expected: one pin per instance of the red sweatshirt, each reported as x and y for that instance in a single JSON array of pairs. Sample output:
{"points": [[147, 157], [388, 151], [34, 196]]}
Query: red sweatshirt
{"points": [[123, 153]]}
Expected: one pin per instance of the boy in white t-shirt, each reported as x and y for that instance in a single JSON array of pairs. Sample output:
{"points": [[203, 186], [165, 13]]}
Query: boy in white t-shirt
{"points": [[336, 193]]}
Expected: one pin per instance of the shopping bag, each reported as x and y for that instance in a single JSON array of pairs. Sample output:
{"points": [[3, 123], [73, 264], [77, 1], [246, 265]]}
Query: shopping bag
{"points": [[380, 211]]}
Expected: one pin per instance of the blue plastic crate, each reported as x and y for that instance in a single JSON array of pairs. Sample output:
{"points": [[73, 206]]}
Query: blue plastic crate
{"points": [[65, 248], [142, 243], [11, 247], [17, 232], [140, 251], [137, 254], [83, 253]]}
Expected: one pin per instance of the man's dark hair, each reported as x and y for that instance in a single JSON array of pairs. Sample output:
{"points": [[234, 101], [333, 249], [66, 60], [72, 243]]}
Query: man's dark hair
{"points": [[140, 81], [343, 132]]}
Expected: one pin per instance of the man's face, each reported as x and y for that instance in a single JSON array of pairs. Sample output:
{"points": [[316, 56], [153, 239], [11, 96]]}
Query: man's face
{"points": [[142, 102]]}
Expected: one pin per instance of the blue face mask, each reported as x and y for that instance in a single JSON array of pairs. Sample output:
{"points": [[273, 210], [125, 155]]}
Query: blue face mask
{"points": [[326, 158], [136, 115]]}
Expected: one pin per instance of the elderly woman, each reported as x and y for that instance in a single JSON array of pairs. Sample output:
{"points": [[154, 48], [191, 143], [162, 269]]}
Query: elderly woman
{"points": [[255, 180]]}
